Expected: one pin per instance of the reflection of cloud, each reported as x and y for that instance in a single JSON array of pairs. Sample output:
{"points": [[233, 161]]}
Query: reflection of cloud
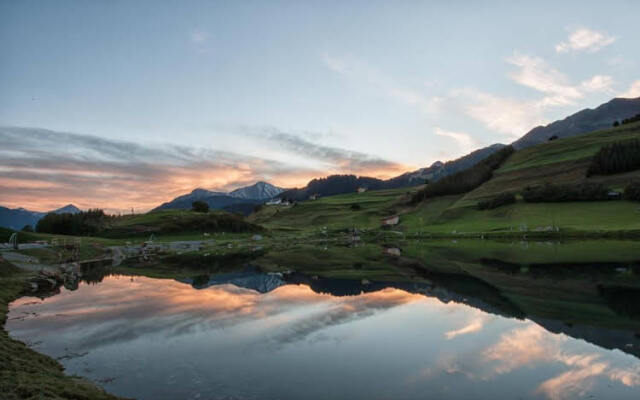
{"points": [[532, 344], [345, 310], [475, 325], [120, 310]]}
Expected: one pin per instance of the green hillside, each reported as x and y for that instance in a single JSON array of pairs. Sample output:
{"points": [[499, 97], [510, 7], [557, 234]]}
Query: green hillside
{"points": [[562, 161], [361, 210]]}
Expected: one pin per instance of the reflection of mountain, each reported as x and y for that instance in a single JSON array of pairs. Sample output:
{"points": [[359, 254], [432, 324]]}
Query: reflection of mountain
{"points": [[476, 294], [627, 341], [457, 288], [248, 279]]}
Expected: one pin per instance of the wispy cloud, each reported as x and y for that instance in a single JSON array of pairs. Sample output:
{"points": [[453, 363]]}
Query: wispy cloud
{"points": [[536, 73], [199, 38], [465, 141], [43, 169], [333, 158], [508, 116], [367, 75], [632, 92], [585, 40]]}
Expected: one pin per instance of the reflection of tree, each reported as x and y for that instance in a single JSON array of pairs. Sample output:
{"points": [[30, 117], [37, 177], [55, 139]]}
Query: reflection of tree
{"points": [[625, 301]]}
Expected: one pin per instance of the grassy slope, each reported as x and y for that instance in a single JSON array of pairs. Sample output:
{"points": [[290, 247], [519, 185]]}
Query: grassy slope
{"points": [[24, 373], [559, 161], [333, 212]]}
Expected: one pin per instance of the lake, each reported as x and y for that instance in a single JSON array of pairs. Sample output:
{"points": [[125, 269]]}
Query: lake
{"points": [[491, 330]]}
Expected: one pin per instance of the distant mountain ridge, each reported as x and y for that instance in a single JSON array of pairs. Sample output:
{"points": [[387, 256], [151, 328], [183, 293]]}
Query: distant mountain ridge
{"points": [[241, 200], [18, 218], [340, 184], [257, 191], [584, 121]]}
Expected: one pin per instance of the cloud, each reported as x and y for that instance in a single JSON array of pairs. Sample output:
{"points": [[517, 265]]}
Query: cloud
{"points": [[585, 40], [42, 169], [535, 73], [475, 325], [464, 140], [363, 73], [334, 159], [632, 92], [508, 116], [531, 345], [199, 38]]}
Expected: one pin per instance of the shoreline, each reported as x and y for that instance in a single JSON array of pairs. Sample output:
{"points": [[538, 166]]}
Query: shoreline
{"points": [[25, 372]]}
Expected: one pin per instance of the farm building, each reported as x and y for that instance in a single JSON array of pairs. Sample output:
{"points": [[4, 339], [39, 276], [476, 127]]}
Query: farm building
{"points": [[390, 221]]}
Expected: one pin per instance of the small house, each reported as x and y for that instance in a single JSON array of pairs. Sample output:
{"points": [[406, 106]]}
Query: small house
{"points": [[314, 196], [613, 195], [392, 251], [362, 189], [391, 221]]}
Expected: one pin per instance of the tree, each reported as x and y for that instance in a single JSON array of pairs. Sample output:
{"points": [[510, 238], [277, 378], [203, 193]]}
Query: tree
{"points": [[27, 228], [200, 206], [616, 124]]}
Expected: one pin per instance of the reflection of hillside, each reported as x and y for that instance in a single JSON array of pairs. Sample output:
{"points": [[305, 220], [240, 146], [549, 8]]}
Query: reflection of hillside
{"points": [[624, 340], [581, 300]]}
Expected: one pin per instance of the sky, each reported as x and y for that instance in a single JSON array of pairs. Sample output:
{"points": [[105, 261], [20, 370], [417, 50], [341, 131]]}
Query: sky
{"points": [[121, 104]]}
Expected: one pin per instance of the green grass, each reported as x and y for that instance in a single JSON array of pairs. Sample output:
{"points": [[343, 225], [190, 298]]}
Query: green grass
{"points": [[24, 373], [569, 149], [332, 261], [603, 216], [333, 212]]}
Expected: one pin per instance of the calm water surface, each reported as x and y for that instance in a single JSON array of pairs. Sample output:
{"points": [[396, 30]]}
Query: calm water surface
{"points": [[164, 339]]}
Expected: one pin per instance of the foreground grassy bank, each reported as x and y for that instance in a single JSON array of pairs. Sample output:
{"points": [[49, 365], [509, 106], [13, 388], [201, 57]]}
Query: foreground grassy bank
{"points": [[24, 373]]}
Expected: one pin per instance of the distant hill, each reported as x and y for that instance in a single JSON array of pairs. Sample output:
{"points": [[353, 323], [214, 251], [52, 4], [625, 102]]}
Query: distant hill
{"points": [[257, 191], [585, 121], [239, 201], [340, 184], [17, 218], [68, 209]]}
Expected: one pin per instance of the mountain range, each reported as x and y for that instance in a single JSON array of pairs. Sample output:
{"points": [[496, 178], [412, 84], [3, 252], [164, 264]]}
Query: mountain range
{"points": [[244, 199], [241, 200], [585, 121], [17, 218], [339, 184]]}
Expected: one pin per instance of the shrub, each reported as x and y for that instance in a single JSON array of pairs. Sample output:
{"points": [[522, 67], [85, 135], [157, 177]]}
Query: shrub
{"points": [[550, 193], [632, 191], [355, 207], [635, 118], [616, 124], [200, 206], [616, 157], [500, 200], [465, 180], [27, 228]]}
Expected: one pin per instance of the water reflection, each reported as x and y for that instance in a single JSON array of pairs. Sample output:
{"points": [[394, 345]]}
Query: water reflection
{"points": [[255, 335]]}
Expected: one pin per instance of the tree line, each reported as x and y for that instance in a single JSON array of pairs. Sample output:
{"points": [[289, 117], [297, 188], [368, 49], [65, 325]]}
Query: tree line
{"points": [[83, 223], [625, 121], [466, 180], [622, 156]]}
